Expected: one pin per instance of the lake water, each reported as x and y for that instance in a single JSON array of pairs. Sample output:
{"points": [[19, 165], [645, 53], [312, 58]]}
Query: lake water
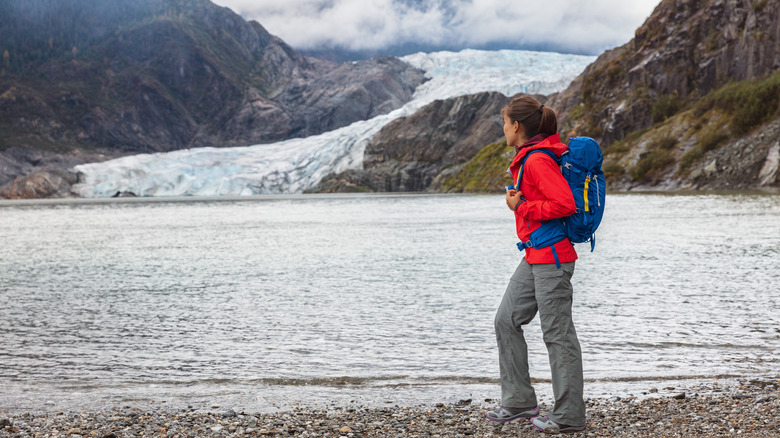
{"points": [[259, 303]]}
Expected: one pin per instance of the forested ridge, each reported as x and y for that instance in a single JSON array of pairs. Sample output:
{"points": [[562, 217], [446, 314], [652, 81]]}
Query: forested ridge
{"points": [[33, 32]]}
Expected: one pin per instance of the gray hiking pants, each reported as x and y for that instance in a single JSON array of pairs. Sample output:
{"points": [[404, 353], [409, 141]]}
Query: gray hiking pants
{"points": [[548, 290]]}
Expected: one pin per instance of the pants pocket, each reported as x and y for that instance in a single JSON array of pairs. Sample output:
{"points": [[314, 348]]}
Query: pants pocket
{"points": [[551, 282]]}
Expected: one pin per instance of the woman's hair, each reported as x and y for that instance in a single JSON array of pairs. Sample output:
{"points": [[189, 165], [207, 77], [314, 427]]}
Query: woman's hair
{"points": [[535, 117]]}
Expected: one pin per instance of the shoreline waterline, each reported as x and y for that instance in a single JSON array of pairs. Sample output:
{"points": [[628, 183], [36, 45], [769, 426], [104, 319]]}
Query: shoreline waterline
{"points": [[745, 407], [222, 198], [346, 196], [274, 396]]}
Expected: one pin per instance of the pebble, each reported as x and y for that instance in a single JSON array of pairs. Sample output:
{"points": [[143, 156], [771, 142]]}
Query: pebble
{"points": [[711, 411]]}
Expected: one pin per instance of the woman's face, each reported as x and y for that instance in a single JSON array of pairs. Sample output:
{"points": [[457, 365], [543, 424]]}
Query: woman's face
{"points": [[511, 131]]}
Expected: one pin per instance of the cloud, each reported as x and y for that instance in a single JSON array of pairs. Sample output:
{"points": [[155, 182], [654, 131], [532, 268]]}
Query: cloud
{"points": [[565, 25], [582, 26]]}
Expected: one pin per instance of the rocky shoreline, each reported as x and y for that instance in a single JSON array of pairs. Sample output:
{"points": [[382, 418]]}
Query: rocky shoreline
{"points": [[746, 408]]}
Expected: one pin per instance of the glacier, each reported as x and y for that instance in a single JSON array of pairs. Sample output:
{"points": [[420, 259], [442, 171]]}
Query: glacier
{"points": [[294, 165]]}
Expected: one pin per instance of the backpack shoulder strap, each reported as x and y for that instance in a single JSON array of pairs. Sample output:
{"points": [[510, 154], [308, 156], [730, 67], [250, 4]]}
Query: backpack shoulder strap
{"points": [[547, 152]]}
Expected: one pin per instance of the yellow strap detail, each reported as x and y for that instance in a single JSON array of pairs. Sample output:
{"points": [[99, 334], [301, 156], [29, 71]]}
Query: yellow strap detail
{"points": [[519, 174], [585, 194]]}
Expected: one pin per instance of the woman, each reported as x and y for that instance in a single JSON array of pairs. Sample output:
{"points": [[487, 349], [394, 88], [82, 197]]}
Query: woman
{"points": [[538, 285]]}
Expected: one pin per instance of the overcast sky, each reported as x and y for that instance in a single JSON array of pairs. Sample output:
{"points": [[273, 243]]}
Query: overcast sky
{"points": [[571, 26]]}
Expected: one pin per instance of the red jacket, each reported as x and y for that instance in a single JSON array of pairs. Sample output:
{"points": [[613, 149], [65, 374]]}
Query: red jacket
{"points": [[547, 195]]}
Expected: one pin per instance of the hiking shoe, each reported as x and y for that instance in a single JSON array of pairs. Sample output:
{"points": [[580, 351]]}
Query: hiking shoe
{"points": [[544, 424], [504, 415]]}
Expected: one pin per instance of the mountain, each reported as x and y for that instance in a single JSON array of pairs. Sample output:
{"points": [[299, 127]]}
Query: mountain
{"points": [[85, 81], [690, 103], [299, 164], [417, 153]]}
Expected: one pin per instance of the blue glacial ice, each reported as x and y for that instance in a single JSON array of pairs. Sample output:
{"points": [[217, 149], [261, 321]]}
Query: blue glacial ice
{"points": [[294, 165]]}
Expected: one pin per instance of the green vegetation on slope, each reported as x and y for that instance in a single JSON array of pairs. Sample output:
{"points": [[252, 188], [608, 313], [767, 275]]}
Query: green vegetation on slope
{"points": [[485, 172], [658, 157], [740, 107], [665, 107], [749, 103]]}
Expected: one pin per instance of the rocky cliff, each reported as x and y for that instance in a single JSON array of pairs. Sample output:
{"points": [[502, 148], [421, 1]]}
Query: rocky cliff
{"points": [[690, 102], [80, 79], [419, 152]]}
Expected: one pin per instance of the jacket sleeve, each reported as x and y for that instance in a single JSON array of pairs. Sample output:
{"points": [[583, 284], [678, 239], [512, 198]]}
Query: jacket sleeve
{"points": [[556, 198]]}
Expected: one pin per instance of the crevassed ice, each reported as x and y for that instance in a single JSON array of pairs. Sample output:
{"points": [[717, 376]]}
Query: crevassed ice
{"points": [[295, 165]]}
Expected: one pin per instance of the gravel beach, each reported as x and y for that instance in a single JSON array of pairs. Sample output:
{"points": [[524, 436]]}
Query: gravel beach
{"points": [[746, 408]]}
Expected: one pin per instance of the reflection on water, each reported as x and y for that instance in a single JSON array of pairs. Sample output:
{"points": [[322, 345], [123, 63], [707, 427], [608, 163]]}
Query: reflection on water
{"points": [[371, 289]]}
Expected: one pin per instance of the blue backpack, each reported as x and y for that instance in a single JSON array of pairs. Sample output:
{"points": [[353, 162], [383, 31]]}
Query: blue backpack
{"points": [[581, 167]]}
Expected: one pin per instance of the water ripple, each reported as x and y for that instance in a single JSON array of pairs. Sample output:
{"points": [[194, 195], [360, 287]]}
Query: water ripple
{"points": [[315, 288]]}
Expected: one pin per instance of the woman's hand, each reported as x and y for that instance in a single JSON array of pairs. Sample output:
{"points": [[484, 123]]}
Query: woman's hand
{"points": [[513, 199]]}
